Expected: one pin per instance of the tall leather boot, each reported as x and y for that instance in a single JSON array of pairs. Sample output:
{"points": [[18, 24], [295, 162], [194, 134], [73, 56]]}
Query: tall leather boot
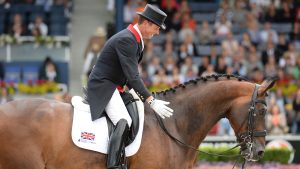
{"points": [[117, 145]]}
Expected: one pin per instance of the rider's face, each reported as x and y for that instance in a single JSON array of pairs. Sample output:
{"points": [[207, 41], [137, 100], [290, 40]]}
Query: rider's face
{"points": [[151, 30]]}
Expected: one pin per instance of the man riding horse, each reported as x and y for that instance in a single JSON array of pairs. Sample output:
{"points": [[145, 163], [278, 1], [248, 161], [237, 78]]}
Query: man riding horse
{"points": [[117, 66]]}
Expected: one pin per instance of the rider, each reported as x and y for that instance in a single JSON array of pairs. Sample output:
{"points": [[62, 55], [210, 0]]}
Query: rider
{"points": [[117, 66]]}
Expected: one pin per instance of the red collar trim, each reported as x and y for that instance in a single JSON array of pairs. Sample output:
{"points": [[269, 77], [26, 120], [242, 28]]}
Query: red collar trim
{"points": [[135, 33]]}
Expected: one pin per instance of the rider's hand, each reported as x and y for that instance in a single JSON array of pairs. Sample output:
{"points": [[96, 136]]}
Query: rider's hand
{"points": [[159, 106]]}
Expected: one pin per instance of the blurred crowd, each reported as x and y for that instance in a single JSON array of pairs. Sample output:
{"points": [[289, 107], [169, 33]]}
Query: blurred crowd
{"points": [[251, 38], [38, 18]]}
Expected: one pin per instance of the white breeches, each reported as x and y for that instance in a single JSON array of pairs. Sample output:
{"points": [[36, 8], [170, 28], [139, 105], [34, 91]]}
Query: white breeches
{"points": [[116, 109]]}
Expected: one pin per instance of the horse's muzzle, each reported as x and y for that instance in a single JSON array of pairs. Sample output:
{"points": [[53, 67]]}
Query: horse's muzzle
{"points": [[253, 151]]}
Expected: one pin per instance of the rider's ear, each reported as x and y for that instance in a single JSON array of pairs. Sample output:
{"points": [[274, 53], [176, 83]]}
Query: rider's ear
{"points": [[265, 86]]}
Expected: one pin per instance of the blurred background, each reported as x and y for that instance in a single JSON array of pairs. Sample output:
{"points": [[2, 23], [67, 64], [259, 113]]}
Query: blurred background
{"points": [[48, 48]]}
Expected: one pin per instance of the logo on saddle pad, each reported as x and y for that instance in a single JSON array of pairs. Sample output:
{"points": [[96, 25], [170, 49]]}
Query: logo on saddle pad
{"points": [[93, 135], [87, 137]]}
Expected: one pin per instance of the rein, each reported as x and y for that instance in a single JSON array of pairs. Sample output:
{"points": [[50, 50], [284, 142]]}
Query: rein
{"points": [[243, 138], [163, 127]]}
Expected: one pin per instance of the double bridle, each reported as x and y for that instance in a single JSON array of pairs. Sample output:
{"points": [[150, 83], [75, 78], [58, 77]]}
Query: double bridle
{"points": [[247, 138]]}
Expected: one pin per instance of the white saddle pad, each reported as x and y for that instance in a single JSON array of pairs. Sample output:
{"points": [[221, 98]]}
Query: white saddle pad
{"points": [[93, 135]]}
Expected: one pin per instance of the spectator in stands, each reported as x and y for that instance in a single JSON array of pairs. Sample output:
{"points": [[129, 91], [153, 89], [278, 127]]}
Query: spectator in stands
{"points": [[276, 121], [213, 55], [286, 13], [239, 14], [5, 96], [255, 10], [225, 10], [190, 45], [288, 66], [205, 61], [253, 29], [222, 26], [38, 28], [270, 52], [253, 63], [246, 41], [160, 80], [169, 47], [271, 68], [176, 22], [230, 45], [221, 66], [291, 53], [282, 45], [188, 65], [205, 34], [148, 52], [296, 108], [188, 21], [182, 53], [184, 7], [170, 7], [17, 28], [169, 64], [296, 69], [169, 51], [154, 66], [239, 66], [271, 15], [283, 80], [257, 76], [268, 33], [188, 27], [295, 33], [175, 78], [209, 71], [129, 11], [49, 71], [297, 14], [90, 61], [98, 39]]}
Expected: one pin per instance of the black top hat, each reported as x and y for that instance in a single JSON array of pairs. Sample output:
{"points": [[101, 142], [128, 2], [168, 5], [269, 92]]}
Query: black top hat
{"points": [[155, 15]]}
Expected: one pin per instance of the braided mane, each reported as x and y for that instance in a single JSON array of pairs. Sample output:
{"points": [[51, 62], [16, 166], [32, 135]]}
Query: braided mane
{"points": [[215, 77]]}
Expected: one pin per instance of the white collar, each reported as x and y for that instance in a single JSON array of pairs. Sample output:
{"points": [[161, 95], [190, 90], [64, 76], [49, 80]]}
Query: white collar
{"points": [[137, 29]]}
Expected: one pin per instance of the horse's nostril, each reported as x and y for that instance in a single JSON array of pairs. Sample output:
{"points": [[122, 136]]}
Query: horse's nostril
{"points": [[260, 153]]}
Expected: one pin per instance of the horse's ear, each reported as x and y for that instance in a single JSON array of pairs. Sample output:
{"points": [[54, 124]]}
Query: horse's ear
{"points": [[266, 85]]}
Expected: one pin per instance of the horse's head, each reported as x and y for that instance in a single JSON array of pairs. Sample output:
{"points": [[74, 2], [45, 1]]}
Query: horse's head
{"points": [[247, 117]]}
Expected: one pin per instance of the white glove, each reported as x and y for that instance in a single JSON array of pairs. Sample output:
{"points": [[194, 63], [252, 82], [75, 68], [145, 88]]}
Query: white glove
{"points": [[159, 106]]}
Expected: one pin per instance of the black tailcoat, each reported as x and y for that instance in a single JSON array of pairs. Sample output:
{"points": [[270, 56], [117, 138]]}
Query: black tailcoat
{"points": [[117, 65]]}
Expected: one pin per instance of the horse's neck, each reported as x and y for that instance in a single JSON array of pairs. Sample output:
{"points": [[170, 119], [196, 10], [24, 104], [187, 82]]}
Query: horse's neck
{"points": [[198, 108]]}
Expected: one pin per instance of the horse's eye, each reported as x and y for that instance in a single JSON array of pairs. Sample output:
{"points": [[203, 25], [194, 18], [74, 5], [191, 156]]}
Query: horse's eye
{"points": [[262, 112]]}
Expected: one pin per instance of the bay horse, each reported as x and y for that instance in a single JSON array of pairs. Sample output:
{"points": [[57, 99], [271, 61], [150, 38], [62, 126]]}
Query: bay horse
{"points": [[36, 133]]}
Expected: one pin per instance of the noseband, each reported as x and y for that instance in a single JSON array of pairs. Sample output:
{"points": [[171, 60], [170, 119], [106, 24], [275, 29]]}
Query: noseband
{"points": [[247, 138]]}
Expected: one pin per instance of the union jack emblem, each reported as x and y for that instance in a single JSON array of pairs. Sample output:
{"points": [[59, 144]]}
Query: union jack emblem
{"points": [[87, 136]]}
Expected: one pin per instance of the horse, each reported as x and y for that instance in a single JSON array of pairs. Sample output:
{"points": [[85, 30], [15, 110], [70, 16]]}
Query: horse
{"points": [[36, 133]]}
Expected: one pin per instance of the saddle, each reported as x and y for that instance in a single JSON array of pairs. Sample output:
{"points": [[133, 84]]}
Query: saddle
{"points": [[132, 109]]}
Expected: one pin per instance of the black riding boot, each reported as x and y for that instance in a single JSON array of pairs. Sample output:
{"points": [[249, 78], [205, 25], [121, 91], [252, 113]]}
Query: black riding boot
{"points": [[116, 149]]}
